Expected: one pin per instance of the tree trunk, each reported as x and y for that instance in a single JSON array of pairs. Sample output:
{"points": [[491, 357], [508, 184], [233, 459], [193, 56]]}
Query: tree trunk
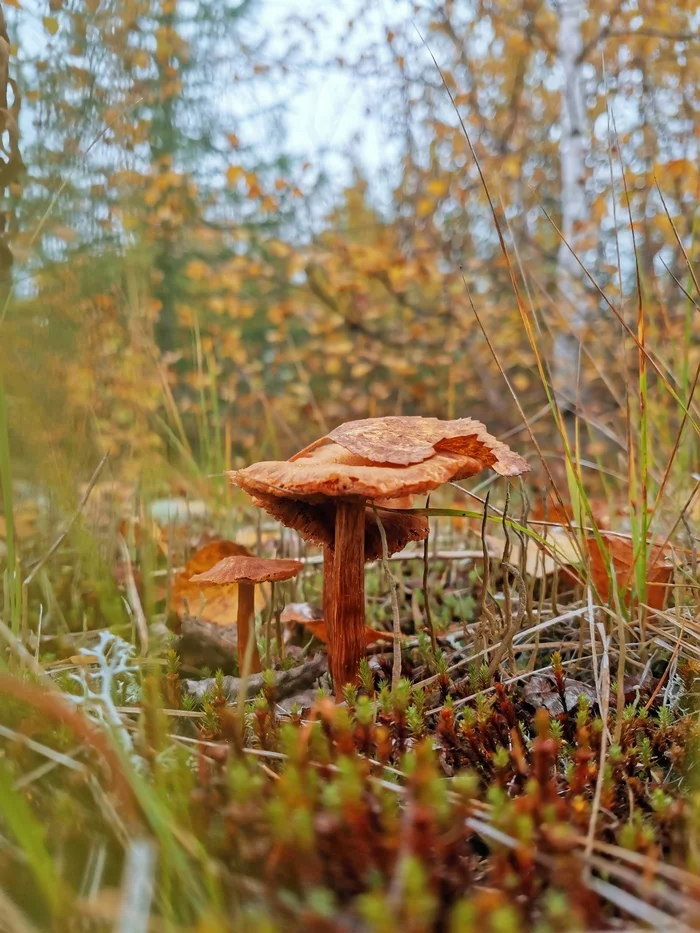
{"points": [[574, 208]]}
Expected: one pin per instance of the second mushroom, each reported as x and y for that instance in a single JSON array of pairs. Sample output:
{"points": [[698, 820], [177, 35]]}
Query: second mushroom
{"points": [[247, 572], [328, 492]]}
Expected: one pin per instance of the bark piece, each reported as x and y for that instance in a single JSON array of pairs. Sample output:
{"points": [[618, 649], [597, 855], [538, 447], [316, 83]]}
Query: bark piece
{"points": [[204, 645], [286, 684]]}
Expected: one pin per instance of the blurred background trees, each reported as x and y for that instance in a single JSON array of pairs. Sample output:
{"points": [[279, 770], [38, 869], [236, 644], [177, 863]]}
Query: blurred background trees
{"points": [[195, 280]]}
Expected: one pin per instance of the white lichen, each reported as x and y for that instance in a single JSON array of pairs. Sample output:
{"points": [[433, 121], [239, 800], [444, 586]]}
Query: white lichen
{"points": [[113, 657]]}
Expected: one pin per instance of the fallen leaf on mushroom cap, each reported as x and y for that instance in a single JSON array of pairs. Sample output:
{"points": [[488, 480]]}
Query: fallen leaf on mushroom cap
{"points": [[659, 569], [541, 691], [408, 439], [209, 602]]}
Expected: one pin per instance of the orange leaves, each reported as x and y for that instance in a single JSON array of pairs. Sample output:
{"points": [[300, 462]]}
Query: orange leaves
{"points": [[209, 603], [620, 553], [310, 617], [234, 173]]}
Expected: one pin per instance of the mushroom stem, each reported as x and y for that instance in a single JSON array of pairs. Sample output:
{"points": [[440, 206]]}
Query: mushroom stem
{"points": [[246, 630], [346, 630], [328, 599]]}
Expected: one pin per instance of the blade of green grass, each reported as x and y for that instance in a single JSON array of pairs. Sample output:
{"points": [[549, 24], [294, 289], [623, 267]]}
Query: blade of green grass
{"points": [[30, 836]]}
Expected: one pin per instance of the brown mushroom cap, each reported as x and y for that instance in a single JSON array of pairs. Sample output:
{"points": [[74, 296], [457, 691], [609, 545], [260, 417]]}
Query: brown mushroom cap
{"points": [[249, 570], [332, 471], [380, 460]]}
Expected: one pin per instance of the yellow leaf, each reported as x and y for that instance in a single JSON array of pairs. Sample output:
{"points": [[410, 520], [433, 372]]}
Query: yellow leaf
{"points": [[678, 169], [197, 270], [437, 187], [233, 174], [280, 250], [424, 208], [254, 189], [50, 25]]}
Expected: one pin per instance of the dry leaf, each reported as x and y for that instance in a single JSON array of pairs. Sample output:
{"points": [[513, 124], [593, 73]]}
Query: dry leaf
{"points": [[310, 617], [403, 440], [659, 571], [550, 510], [541, 691], [300, 614]]}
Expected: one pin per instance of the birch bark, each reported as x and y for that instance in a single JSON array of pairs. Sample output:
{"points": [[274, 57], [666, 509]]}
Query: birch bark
{"points": [[574, 207]]}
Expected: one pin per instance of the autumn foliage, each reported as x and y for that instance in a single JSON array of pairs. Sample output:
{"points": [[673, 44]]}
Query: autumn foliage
{"points": [[274, 656]]}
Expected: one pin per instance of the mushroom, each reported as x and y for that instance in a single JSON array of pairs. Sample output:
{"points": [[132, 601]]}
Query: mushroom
{"points": [[328, 492], [246, 571]]}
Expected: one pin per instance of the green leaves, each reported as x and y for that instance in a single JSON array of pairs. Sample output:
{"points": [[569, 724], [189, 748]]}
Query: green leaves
{"points": [[30, 837]]}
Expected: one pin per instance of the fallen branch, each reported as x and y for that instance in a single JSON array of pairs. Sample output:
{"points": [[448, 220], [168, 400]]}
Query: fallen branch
{"points": [[286, 683]]}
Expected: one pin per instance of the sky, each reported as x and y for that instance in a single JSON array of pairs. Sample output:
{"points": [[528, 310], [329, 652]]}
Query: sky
{"points": [[332, 117]]}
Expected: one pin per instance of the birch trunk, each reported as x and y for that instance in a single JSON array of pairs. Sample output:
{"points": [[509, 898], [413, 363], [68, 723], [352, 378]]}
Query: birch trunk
{"points": [[574, 208]]}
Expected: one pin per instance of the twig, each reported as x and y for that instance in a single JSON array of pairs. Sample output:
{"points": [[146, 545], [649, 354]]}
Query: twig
{"points": [[486, 611], [509, 680], [548, 623], [268, 627], [514, 624], [426, 594], [663, 677], [133, 598], [59, 540], [602, 680], [313, 560], [396, 667]]}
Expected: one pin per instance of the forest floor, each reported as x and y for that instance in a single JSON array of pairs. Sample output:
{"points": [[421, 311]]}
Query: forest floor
{"points": [[534, 769]]}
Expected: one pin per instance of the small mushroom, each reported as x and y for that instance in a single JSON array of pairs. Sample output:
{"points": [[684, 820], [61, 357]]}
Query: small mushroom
{"points": [[328, 491], [246, 572]]}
